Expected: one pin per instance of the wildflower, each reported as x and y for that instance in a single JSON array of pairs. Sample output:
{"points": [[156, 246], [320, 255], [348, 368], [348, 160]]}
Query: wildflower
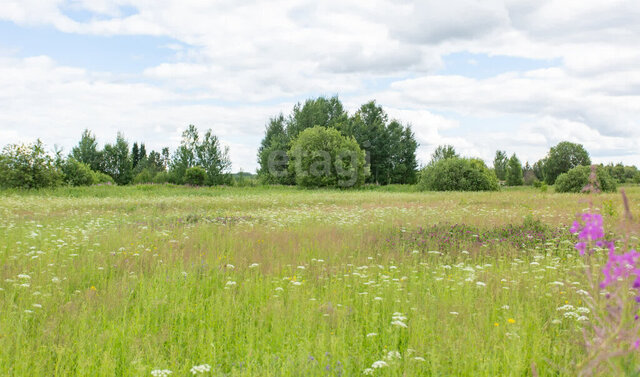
{"points": [[454, 313], [379, 364], [378, 298], [591, 230], [582, 310], [511, 320], [496, 324], [566, 307], [582, 318], [93, 288], [200, 368], [481, 284], [399, 324], [37, 306], [24, 276], [418, 358], [253, 265], [369, 335], [368, 372], [230, 283], [556, 322], [393, 355], [161, 372]]}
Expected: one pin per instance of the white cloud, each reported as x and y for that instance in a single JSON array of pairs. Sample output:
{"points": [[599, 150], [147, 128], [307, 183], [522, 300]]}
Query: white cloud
{"points": [[232, 57]]}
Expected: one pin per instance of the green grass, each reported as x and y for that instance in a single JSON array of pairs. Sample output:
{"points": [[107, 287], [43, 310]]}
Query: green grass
{"points": [[278, 281]]}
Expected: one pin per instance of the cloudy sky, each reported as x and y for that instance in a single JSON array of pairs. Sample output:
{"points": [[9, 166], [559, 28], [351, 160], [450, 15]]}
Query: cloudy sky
{"points": [[518, 75]]}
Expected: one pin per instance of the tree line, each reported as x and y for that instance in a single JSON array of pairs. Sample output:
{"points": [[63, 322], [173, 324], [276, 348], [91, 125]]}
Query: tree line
{"points": [[318, 144]]}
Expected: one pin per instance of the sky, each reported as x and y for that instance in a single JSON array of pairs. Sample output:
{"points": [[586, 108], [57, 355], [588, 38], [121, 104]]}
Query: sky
{"points": [[481, 75]]}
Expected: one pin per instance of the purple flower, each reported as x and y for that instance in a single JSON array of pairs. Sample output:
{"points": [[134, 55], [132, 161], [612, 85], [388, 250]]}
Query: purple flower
{"points": [[590, 231]]}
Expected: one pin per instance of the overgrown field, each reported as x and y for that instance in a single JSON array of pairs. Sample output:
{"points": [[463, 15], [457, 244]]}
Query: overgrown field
{"points": [[123, 281]]}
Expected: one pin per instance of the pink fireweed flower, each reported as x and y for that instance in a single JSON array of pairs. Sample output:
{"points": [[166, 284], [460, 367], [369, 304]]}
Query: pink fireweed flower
{"points": [[622, 266], [590, 231]]}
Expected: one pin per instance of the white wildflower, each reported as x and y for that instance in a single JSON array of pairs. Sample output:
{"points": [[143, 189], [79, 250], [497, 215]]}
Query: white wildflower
{"points": [[369, 335], [454, 313], [582, 318], [253, 265], [368, 372], [418, 358], [161, 372], [24, 276], [481, 284], [566, 307], [583, 310], [379, 364], [399, 324], [200, 368]]}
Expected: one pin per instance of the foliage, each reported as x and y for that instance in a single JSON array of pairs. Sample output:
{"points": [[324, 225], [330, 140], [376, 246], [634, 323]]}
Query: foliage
{"points": [[206, 153], [562, 158], [77, 173], [443, 152], [576, 179], [272, 154], [514, 172], [87, 151], [390, 147], [28, 166], [101, 178], [323, 157], [623, 174], [145, 176], [500, 165], [117, 161], [458, 174], [195, 176], [162, 177]]}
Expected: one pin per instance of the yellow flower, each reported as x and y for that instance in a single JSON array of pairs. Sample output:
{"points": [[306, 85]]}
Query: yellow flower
{"points": [[511, 320], [93, 288], [496, 324]]}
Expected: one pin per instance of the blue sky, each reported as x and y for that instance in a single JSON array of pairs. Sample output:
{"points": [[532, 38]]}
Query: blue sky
{"points": [[516, 76]]}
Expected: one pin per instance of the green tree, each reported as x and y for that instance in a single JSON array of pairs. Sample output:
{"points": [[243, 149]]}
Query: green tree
{"points": [[443, 152], [369, 127], [185, 156], [195, 176], [458, 174], [272, 154], [87, 151], [135, 155], [28, 166], [326, 112], [562, 158], [214, 159], [117, 161], [500, 165], [514, 172], [577, 178], [77, 173], [323, 157]]}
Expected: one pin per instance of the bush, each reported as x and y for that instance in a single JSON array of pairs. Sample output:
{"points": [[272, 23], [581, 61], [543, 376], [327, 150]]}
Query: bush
{"points": [[577, 178], [458, 174], [77, 173], [28, 166], [145, 176], [323, 157], [100, 178], [195, 176], [162, 177]]}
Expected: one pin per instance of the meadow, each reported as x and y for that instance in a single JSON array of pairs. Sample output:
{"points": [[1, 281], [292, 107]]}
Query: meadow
{"points": [[147, 280]]}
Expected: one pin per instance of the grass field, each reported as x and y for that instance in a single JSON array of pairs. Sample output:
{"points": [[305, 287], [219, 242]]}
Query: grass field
{"points": [[124, 281]]}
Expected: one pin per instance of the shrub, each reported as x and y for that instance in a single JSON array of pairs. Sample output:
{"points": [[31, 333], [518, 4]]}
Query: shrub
{"points": [[323, 157], [458, 174], [162, 177], [77, 173], [195, 176], [145, 176], [577, 178], [28, 166], [101, 178]]}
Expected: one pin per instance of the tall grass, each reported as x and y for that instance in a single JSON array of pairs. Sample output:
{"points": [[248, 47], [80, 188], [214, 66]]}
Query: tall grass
{"points": [[276, 281]]}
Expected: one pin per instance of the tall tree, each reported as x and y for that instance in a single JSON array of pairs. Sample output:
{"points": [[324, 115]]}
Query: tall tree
{"points": [[135, 157], [272, 154], [514, 172], [500, 165], [185, 156], [117, 161], [87, 151], [443, 152], [562, 158], [214, 159], [316, 112]]}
